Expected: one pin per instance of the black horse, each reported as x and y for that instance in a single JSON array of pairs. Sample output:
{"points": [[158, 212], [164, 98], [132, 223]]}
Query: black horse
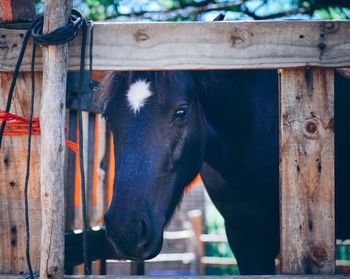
{"points": [[168, 126]]}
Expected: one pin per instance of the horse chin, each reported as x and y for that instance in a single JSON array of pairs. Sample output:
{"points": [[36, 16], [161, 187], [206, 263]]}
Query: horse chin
{"points": [[155, 251], [137, 255]]}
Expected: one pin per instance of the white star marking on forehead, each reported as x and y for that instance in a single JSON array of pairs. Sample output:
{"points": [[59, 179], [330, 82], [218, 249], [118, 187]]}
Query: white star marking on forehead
{"points": [[138, 94]]}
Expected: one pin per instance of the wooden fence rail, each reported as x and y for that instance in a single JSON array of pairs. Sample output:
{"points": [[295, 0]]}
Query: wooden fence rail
{"points": [[202, 45]]}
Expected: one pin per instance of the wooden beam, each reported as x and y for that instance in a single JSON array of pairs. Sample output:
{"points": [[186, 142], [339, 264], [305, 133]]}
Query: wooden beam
{"points": [[52, 117], [204, 45], [307, 171]]}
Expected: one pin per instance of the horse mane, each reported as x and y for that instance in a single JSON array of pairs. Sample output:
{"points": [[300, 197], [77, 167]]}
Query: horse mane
{"points": [[105, 92]]}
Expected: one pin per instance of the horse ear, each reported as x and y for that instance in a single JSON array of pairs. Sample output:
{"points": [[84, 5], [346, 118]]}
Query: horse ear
{"points": [[345, 72], [219, 17], [103, 94], [112, 84]]}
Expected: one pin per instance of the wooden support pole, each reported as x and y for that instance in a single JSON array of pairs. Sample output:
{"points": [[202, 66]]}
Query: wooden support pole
{"points": [[52, 117], [307, 171], [137, 268]]}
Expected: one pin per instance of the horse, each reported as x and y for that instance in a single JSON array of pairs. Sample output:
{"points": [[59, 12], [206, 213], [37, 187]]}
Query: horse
{"points": [[168, 126]]}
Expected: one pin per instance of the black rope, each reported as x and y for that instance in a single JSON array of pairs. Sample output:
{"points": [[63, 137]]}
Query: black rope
{"points": [[93, 85], [57, 36], [60, 35], [81, 148], [26, 208]]}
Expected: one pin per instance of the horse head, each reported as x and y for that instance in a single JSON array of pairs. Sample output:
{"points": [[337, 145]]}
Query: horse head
{"points": [[159, 133]]}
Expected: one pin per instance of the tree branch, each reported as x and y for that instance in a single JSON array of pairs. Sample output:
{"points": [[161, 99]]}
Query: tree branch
{"points": [[194, 8]]}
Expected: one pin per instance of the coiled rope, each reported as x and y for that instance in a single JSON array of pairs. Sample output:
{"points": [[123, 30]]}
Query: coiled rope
{"points": [[58, 36]]}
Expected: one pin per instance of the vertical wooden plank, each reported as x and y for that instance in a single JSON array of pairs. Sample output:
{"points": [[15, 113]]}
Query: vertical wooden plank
{"points": [[137, 268], [307, 171], [52, 116], [13, 156], [196, 219], [99, 192], [70, 172], [13, 161], [77, 223], [90, 166], [85, 121], [78, 216]]}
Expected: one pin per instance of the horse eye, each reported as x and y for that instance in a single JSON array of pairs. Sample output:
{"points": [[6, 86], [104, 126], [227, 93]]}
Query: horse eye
{"points": [[105, 117], [181, 114]]}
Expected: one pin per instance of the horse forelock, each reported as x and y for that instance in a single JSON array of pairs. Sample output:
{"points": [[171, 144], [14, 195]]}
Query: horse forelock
{"points": [[147, 84]]}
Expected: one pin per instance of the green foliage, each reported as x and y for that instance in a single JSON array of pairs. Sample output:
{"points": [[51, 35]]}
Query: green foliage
{"points": [[215, 224], [178, 10]]}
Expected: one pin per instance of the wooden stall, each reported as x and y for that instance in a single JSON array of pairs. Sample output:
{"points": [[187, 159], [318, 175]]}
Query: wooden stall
{"points": [[305, 52]]}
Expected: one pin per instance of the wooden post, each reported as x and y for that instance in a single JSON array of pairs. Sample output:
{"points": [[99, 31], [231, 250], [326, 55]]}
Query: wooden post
{"points": [[307, 171], [52, 116], [13, 155]]}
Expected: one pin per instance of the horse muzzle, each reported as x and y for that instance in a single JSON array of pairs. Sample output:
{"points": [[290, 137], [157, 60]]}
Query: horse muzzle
{"points": [[136, 241]]}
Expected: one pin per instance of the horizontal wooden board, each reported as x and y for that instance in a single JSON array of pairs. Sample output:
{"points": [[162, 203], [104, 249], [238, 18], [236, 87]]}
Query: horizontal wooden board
{"points": [[202, 45]]}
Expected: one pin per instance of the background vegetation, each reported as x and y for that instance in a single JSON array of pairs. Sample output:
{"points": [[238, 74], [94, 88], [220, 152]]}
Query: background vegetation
{"points": [[202, 10]]}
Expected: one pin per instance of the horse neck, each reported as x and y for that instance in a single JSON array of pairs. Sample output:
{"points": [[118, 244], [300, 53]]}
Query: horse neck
{"points": [[228, 104]]}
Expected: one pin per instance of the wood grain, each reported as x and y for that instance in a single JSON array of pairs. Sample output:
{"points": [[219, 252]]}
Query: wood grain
{"points": [[13, 157], [53, 100], [203, 45], [100, 192], [307, 171]]}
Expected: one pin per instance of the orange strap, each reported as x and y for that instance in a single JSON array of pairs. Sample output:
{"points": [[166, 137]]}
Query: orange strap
{"points": [[195, 182], [17, 125]]}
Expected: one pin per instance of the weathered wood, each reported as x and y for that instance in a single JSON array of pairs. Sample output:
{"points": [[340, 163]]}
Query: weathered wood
{"points": [[52, 144], [13, 156], [137, 268], [307, 171], [90, 147], [100, 192], [17, 10], [205, 45], [77, 190]]}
